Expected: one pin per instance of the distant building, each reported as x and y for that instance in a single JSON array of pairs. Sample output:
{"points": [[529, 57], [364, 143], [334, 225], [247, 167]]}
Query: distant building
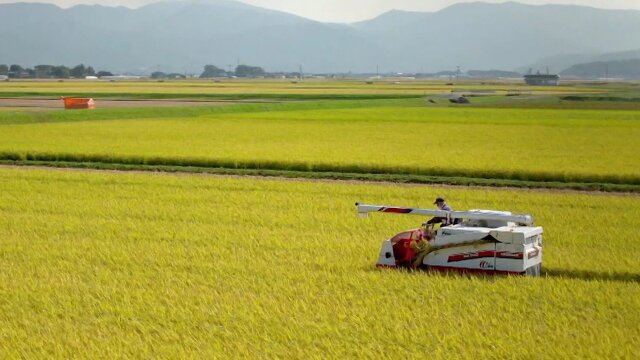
{"points": [[542, 79], [121, 77]]}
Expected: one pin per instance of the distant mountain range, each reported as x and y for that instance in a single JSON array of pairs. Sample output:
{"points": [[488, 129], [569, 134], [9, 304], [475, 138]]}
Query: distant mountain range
{"points": [[557, 64], [183, 36], [628, 69]]}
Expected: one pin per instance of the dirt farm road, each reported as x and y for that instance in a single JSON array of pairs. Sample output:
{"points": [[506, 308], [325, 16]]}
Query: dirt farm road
{"points": [[53, 104]]}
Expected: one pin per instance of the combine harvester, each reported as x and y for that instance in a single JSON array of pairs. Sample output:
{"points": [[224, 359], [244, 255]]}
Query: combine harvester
{"points": [[481, 241]]}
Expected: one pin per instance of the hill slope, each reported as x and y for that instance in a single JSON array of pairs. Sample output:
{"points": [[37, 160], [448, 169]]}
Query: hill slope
{"points": [[628, 69], [184, 35]]}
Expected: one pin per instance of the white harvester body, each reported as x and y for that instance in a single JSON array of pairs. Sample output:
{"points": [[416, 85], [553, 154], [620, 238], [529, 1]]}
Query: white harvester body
{"points": [[484, 241]]}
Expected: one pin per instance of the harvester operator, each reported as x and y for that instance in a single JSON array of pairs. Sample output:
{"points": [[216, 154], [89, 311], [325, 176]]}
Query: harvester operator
{"points": [[443, 221]]}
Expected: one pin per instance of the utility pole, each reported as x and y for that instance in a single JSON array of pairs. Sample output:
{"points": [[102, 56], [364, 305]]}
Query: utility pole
{"points": [[457, 72]]}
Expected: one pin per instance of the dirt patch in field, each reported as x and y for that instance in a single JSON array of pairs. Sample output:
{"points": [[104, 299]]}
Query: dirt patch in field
{"points": [[53, 104]]}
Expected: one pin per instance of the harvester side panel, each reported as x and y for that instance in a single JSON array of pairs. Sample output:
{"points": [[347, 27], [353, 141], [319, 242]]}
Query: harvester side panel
{"points": [[517, 258], [477, 257]]}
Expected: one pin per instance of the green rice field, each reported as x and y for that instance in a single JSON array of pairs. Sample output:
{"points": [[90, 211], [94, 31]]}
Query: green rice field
{"points": [[402, 136], [105, 265]]}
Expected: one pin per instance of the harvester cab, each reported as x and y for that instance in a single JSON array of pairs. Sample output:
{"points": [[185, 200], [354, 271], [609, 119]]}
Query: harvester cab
{"points": [[482, 241]]}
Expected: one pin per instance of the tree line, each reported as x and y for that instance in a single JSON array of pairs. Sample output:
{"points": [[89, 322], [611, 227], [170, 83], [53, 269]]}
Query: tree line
{"points": [[81, 71], [211, 71], [50, 71]]}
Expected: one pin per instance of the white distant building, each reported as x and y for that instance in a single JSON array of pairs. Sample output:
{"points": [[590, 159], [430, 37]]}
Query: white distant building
{"points": [[121, 77], [4, 77]]}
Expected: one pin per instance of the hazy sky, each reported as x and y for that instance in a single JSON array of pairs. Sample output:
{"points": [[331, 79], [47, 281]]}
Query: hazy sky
{"points": [[353, 10]]}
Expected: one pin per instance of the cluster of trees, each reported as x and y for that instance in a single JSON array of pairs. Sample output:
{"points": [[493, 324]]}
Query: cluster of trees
{"points": [[249, 71], [50, 71], [212, 71]]}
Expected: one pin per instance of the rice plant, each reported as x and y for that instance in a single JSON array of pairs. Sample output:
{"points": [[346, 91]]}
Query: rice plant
{"points": [[105, 265]]}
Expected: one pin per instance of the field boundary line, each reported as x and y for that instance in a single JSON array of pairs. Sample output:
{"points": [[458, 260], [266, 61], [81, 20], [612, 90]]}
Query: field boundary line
{"points": [[383, 179], [493, 177]]}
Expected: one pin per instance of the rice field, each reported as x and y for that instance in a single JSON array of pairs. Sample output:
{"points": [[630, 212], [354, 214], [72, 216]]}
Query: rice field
{"points": [[307, 87], [403, 136], [105, 265]]}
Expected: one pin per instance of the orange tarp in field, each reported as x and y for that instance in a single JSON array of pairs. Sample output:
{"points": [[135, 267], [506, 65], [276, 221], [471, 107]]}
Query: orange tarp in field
{"points": [[78, 103]]}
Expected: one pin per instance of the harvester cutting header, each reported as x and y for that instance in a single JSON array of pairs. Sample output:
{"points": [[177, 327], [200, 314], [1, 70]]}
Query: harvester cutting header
{"points": [[485, 241]]}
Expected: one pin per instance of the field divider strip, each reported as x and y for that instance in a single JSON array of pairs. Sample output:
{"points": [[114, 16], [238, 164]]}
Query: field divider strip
{"points": [[329, 175], [369, 169]]}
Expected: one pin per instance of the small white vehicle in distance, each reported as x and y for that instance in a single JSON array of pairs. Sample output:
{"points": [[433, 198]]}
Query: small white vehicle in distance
{"points": [[480, 241]]}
